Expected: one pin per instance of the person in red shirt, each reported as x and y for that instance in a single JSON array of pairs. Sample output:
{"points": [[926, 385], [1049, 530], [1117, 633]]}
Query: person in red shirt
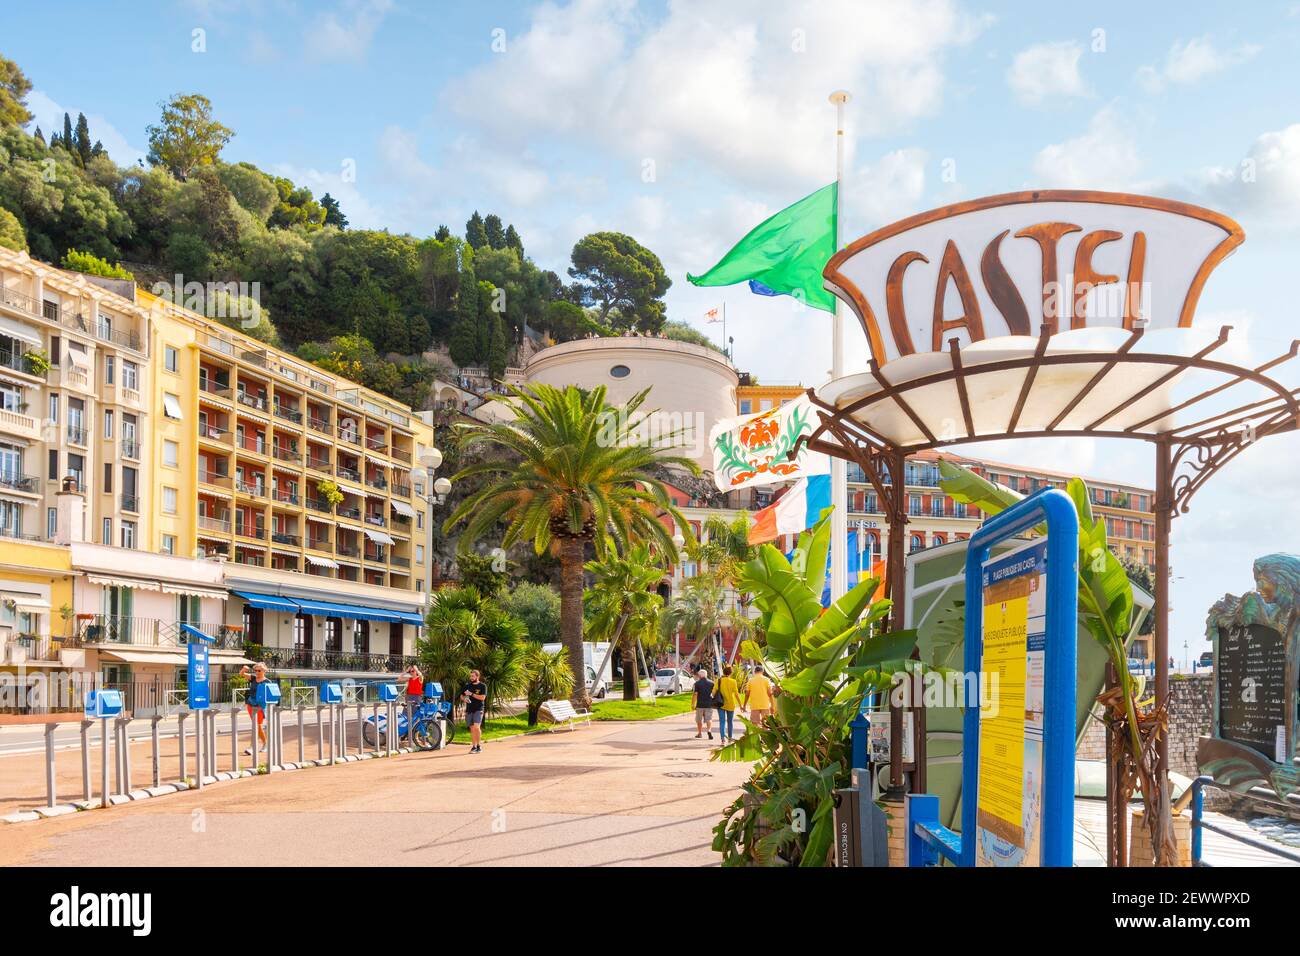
{"points": [[414, 694]]}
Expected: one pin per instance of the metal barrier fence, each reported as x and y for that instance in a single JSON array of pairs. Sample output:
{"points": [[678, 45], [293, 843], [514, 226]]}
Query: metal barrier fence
{"points": [[202, 757], [1200, 824]]}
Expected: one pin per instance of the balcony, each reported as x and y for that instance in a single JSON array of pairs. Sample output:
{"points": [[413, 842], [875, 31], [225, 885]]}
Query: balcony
{"points": [[288, 414], [377, 481], [320, 544], [252, 401], [321, 425], [377, 520], [320, 464], [219, 478], [255, 444], [296, 658], [214, 433], [244, 530], [252, 489], [284, 537], [101, 629], [401, 455], [251, 560], [351, 474], [23, 426], [127, 340], [13, 481], [377, 444], [25, 303], [319, 504], [378, 555], [402, 490], [345, 512], [76, 435], [130, 502], [286, 453], [214, 388], [347, 551], [284, 496], [219, 525], [348, 435], [400, 562], [130, 449]]}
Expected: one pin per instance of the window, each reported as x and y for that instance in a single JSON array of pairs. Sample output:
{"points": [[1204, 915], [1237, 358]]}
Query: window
{"points": [[746, 406], [128, 534], [51, 522], [109, 362], [54, 464], [56, 350], [108, 478], [11, 518], [130, 375], [171, 453], [302, 636], [360, 636], [171, 358], [333, 635], [620, 371], [108, 423], [54, 409], [106, 532], [169, 544], [187, 608], [419, 554], [172, 406], [169, 501]]}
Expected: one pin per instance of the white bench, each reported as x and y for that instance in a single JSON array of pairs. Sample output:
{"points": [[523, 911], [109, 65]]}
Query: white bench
{"points": [[563, 714]]}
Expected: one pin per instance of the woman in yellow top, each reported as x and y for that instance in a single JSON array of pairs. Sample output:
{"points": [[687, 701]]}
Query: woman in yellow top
{"points": [[758, 697], [729, 691]]}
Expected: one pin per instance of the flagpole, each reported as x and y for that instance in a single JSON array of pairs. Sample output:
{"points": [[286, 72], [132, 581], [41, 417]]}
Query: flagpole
{"points": [[839, 468]]}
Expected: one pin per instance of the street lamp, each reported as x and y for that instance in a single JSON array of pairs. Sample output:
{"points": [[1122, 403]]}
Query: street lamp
{"points": [[679, 542], [438, 490]]}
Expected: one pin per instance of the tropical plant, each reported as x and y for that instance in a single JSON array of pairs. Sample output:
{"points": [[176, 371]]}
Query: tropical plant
{"points": [[827, 662], [1106, 610], [483, 571], [698, 612], [464, 631], [576, 472], [549, 678], [36, 361], [622, 605]]}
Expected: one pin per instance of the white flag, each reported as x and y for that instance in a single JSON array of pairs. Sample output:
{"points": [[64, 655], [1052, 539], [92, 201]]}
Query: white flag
{"points": [[713, 315], [753, 449]]}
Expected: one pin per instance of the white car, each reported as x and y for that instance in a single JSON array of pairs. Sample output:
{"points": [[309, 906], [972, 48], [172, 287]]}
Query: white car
{"points": [[669, 681]]}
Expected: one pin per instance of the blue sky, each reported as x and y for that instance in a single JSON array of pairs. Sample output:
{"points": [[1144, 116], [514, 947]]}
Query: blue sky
{"points": [[685, 124]]}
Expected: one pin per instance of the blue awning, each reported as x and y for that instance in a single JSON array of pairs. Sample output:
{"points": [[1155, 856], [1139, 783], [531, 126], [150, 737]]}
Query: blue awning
{"points": [[271, 602], [408, 618]]}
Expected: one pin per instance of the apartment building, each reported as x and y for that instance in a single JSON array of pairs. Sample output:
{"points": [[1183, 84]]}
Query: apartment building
{"points": [[163, 475]]}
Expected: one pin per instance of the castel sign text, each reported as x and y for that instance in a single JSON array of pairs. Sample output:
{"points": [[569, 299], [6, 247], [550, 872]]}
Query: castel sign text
{"points": [[1012, 264]]}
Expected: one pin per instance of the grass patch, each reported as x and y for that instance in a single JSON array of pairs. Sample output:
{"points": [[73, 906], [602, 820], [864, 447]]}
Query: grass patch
{"points": [[642, 709], [494, 728]]}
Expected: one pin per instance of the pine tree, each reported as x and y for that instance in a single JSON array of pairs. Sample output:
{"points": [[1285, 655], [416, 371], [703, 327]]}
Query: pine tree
{"points": [[40, 137], [496, 236], [513, 241], [498, 347], [475, 234], [67, 141], [487, 299], [463, 342], [81, 141], [443, 234]]}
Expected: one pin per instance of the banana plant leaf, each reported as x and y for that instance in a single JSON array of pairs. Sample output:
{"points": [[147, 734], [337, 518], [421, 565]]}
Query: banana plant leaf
{"points": [[787, 600]]}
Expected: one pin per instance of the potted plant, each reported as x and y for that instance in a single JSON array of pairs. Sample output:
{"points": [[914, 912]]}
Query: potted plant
{"points": [[329, 493], [36, 361]]}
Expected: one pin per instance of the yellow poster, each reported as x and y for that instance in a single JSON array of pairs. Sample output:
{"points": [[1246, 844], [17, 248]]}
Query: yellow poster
{"points": [[1002, 724]]}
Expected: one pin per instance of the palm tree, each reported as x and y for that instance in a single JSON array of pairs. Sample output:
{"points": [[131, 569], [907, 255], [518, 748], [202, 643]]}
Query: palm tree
{"points": [[696, 610], [465, 630], [622, 605], [575, 472]]}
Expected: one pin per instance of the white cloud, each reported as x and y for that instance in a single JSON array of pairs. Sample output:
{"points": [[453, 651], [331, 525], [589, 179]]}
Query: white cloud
{"points": [[346, 33], [1046, 71], [1265, 184], [737, 86], [48, 115], [1191, 61], [883, 191], [1105, 157]]}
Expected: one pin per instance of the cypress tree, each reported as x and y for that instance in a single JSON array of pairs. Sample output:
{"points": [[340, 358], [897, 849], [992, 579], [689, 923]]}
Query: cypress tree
{"points": [[475, 233]]}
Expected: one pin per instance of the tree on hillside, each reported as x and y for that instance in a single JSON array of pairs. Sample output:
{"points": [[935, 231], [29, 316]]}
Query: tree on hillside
{"points": [[622, 279], [567, 321], [464, 333], [187, 136], [12, 235], [442, 234], [492, 228], [513, 241], [475, 231], [14, 87], [81, 140], [333, 213], [574, 474]]}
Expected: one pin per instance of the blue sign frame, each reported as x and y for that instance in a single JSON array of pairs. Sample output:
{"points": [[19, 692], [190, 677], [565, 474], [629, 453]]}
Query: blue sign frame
{"points": [[1059, 678], [197, 678]]}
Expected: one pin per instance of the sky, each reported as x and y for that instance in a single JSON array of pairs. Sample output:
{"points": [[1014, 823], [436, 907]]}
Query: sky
{"points": [[685, 124]]}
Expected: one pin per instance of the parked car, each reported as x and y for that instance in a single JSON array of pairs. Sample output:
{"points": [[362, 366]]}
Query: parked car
{"points": [[1206, 659], [669, 681]]}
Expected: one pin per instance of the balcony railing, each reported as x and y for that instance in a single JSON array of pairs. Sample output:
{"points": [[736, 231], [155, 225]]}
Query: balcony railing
{"points": [[296, 658], [13, 360], [376, 444], [250, 531], [378, 481], [252, 490], [25, 303], [321, 425], [252, 401], [221, 478], [401, 455], [208, 523], [17, 482], [214, 388], [319, 504], [288, 414], [344, 512], [150, 632], [76, 435], [400, 562], [377, 520], [376, 554], [289, 453], [320, 544], [402, 490], [285, 497], [130, 502], [352, 474], [349, 435], [347, 551], [284, 537], [320, 464], [252, 443]]}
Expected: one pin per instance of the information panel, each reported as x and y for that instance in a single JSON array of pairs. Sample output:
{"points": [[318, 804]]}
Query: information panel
{"points": [[197, 677], [1251, 674], [1011, 715]]}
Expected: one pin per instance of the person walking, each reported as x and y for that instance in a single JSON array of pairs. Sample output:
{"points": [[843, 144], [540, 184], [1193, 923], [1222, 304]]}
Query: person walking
{"points": [[727, 696], [475, 698], [702, 704], [758, 696], [256, 710]]}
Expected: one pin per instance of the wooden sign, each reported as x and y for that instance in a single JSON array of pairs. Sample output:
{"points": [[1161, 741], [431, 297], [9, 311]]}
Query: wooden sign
{"points": [[1010, 264]]}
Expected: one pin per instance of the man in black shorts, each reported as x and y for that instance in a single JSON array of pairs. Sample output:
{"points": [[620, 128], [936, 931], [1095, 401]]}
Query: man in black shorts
{"points": [[475, 698]]}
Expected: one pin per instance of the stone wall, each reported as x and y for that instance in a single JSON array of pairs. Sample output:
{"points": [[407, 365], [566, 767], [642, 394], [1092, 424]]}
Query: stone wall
{"points": [[1191, 702]]}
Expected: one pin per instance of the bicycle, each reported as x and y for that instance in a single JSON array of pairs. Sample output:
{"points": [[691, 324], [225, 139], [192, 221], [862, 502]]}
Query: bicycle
{"points": [[425, 731]]}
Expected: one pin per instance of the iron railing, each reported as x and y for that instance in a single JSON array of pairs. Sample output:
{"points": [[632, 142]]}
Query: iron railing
{"points": [[297, 658], [98, 629]]}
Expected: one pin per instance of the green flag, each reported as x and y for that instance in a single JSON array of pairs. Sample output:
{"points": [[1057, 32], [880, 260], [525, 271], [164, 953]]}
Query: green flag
{"points": [[785, 255]]}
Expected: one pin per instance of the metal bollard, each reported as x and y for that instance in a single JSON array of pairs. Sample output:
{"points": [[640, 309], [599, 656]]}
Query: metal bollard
{"points": [[320, 735], [212, 743], [88, 794], [234, 740], [256, 744], [270, 738], [49, 764], [180, 731], [375, 717], [126, 758], [199, 731], [157, 757], [333, 734], [117, 763], [361, 737], [103, 779], [302, 759]]}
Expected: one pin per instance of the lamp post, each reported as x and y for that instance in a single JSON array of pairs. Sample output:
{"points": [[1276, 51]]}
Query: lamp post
{"points": [[437, 488], [679, 542]]}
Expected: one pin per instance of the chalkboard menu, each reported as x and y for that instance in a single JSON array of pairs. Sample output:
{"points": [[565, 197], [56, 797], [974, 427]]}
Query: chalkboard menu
{"points": [[1251, 668]]}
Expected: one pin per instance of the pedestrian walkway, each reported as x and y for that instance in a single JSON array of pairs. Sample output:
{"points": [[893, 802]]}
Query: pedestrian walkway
{"points": [[610, 794]]}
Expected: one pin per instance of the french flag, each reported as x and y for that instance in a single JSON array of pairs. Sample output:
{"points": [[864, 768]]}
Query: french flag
{"points": [[797, 509]]}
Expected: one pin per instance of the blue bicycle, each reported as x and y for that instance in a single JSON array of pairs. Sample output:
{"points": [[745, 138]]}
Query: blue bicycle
{"points": [[426, 722]]}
